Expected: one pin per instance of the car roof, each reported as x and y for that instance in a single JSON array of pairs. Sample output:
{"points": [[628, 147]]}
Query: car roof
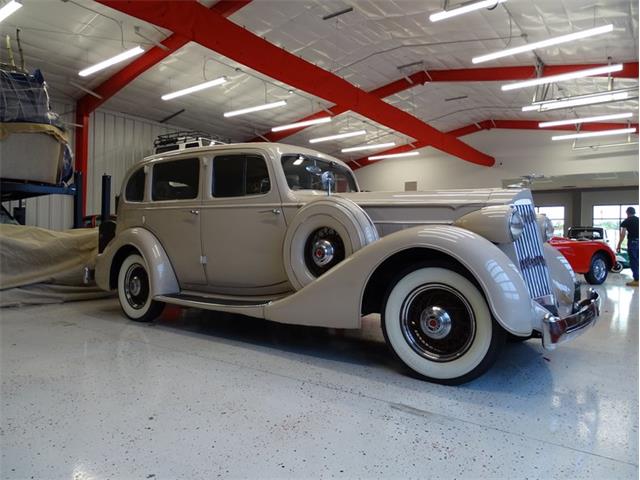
{"points": [[275, 149]]}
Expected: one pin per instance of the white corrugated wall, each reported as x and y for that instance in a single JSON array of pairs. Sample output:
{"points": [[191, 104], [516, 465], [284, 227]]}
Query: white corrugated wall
{"points": [[116, 141]]}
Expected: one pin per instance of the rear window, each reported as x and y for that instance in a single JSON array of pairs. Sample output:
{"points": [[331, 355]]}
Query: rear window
{"points": [[239, 175], [134, 192], [176, 180]]}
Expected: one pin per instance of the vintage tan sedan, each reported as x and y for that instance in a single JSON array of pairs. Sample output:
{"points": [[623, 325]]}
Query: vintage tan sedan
{"points": [[283, 233]]}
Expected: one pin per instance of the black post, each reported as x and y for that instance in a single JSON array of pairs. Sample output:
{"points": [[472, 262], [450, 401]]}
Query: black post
{"points": [[106, 197], [77, 200]]}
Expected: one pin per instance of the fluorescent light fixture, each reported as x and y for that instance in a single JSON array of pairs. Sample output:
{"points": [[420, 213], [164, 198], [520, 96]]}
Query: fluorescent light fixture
{"points": [[195, 88], [454, 12], [9, 8], [338, 136], [589, 72], [544, 43], [574, 121], [601, 133], [304, 123], [368, 147], [111, 61], [257, 108], [395, 155], [576, 101]]}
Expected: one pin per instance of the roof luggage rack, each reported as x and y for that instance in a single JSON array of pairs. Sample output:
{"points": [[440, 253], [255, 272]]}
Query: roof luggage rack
{"points": [[185, 139]]}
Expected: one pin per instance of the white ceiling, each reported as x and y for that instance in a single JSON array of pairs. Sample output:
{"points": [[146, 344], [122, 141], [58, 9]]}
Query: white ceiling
{"points": [[364, 46]]}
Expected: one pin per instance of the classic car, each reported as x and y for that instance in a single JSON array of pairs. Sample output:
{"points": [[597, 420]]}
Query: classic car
{"points": [[600, 234], [284, 233], [592, 258]]}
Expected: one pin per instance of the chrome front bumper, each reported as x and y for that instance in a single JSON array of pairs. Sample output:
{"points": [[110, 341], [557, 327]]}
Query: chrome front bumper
{"points": [[557, 330]]}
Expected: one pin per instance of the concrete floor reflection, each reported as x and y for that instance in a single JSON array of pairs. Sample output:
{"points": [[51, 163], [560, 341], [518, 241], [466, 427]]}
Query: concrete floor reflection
{"points": [[87, 394]]}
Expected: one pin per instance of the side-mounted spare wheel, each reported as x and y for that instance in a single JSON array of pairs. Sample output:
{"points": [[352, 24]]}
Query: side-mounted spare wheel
{"points": [[439, 325], [134, 290], [322, 234]]}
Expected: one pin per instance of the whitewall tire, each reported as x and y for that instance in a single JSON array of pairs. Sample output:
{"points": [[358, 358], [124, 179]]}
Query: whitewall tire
{"points": [[134, 290], [438, 324]]}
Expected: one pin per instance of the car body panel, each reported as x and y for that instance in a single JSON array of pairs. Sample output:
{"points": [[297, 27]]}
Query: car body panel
{"points": [[580, 252]]}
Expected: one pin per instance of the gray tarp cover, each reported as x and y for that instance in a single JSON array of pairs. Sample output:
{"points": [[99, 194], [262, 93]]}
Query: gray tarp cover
{"points": [[45, 266]]}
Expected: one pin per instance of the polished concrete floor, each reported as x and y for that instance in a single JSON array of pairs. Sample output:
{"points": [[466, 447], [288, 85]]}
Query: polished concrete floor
{"points": [[87, 394]]}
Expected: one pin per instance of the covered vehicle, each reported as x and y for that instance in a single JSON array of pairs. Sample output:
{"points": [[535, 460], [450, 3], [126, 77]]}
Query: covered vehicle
{"points": [[284, 233], [592, 258]]}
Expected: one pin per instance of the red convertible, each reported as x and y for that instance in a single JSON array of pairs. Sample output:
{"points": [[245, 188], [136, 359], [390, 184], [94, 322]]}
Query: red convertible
{"points": [[592, 258]]}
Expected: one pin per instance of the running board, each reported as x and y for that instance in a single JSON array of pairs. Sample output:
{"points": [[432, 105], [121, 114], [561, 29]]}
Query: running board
{"points": [[211, 303]]}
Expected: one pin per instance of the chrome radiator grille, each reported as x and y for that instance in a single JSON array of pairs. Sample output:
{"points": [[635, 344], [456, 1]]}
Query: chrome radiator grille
{"points": [[530, 257]]}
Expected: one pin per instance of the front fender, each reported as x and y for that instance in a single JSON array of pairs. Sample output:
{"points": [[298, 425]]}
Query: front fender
{"points": [[563, 278], [335, 298], [162, 278]]}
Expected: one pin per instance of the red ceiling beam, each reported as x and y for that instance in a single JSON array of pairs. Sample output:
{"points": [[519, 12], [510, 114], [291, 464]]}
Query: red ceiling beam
{"points": [[107, 89], [213, 31], [491, 124], [493, 74]]}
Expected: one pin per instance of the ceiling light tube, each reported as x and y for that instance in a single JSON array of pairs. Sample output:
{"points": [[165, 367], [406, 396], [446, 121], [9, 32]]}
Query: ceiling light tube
{"points": [[601, 133], [368, 147], [304, 123], [195, 88], [589, 72], [544, 43], [395, 155], [576, 102], [454, 12], [111, 61], [257, 108], [338, 136], [575, 121], [9, 8]]}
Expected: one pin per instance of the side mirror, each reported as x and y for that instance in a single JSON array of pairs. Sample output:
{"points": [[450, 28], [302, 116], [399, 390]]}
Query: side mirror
{"points": [[328, 179]]}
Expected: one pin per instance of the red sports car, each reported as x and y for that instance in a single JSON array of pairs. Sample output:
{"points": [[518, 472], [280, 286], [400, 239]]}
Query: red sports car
{"points": [[592, 258]]}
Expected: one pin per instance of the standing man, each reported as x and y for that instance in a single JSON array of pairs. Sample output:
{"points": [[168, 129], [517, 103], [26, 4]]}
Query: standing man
{"points": [[629, 228]]}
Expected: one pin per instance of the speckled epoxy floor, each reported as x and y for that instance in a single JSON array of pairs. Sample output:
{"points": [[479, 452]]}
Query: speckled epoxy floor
{"points": [[87, 394]]}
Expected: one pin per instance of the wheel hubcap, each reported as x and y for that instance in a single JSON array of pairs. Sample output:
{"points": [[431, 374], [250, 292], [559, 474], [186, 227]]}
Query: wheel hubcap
{"points": [[599, 268], [437, 322], [136, 286], [323, 250]]}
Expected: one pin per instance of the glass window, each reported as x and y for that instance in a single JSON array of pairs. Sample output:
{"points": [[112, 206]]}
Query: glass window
{"points": [[556, 215], [134, 192], [610, 217], [176, 180], [239, 175], [304, 172]]}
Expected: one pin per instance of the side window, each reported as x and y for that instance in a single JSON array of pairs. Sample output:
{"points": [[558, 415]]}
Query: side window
{"points": [[134, 191], [176, 180], [239, 175]]}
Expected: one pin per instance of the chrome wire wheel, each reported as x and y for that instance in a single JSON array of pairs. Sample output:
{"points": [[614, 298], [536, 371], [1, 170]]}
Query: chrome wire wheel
{"points": [[599, 267], [437, 322]]}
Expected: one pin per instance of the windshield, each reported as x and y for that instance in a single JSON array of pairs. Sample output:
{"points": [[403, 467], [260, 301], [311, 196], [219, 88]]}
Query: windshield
{"points": [[304, 172]]}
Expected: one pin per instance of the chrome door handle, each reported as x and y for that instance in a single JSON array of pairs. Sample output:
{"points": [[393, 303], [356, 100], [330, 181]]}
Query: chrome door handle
{"points": [[194, 212], [275, 211]]}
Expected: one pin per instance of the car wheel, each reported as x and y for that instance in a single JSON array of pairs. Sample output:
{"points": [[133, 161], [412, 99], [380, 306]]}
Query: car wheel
{"points": [[598, 270], [617, 268], [438, 324], [134, 290]]}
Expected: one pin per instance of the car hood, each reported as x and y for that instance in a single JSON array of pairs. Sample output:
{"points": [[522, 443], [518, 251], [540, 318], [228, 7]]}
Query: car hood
{"points": [[396, 210]]}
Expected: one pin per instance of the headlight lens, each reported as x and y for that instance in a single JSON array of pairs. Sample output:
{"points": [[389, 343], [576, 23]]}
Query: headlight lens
{"points": [[516, 225]]}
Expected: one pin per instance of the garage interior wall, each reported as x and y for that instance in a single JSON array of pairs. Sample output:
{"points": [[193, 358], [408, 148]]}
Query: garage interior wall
{"points": [[116, 141], [517, 153]]}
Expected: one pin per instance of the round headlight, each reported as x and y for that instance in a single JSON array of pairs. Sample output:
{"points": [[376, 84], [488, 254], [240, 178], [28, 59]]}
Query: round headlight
{"points": [[516, 224]]}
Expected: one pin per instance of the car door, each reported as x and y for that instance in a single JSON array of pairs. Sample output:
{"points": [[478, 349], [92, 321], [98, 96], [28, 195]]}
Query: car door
{"points": [[242, 226], [173, 216]]}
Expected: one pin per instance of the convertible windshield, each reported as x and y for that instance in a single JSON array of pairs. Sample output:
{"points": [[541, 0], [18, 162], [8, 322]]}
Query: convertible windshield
{"points": [[304, 172]]}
